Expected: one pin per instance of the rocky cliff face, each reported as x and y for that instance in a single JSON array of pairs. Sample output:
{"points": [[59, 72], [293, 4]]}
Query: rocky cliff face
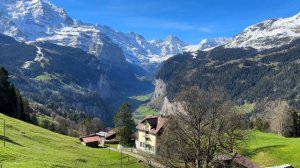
{"points": [[161, 100], [160, 89]]}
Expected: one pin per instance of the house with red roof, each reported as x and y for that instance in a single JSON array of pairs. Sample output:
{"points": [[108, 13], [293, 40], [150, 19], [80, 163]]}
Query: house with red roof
{"points": [[92, 141], [149, 129], [99, 139]]}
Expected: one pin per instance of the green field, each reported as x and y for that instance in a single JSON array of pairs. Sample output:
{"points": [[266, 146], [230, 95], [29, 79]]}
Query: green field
{"points": [[34, 147], [145, 111], [246, 108], [42, 118], [141, 98], [29, 146], [142, 111], [45, 77], [268, 149]]}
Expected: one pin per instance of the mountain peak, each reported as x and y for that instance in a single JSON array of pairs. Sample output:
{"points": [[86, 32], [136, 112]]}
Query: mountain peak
{"points": [[173, 41], [207, 44], [172, 38], [268, 34], [31, 18]]}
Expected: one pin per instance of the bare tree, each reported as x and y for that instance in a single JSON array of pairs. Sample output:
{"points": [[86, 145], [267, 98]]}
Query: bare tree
{"points": [[276, 113], [205, 125]]}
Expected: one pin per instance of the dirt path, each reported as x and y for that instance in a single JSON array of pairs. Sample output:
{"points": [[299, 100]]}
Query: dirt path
{"points": [[142, 158]]}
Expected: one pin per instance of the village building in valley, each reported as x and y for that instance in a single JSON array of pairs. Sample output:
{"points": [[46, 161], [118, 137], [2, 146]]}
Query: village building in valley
{"points": [[99, 139], [149, 129]]}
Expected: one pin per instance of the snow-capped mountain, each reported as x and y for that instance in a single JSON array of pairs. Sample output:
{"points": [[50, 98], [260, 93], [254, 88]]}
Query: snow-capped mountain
{"points": [[268, 34], [207, 44], [40, 20], [30, 19], [142, 52]]}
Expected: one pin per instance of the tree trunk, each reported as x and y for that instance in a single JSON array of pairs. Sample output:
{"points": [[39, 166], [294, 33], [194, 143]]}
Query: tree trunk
{"points": [[198, 163]]}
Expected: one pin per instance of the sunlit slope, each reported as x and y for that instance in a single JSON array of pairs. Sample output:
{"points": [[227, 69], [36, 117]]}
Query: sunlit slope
{"points": [[29, 146], [268, 149]]}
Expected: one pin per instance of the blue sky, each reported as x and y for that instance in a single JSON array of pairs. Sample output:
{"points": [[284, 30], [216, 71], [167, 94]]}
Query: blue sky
{"points": [[190, 20]]}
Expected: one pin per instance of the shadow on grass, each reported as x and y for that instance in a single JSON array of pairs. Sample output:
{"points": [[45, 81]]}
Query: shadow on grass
{"points": [[251, 153], [2, 138]]}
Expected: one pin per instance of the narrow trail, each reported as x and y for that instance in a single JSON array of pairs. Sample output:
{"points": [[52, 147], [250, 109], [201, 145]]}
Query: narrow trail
{"points": [[155, 164]]}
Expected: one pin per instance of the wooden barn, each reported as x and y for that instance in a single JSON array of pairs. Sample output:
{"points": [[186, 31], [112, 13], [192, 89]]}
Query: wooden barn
{"points": [[99, 139], [235, 160], [92, 141]]}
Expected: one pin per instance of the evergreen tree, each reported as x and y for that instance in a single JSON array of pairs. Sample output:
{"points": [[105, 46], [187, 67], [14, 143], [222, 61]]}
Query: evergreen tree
{"points": [[124, 124], [11, 101], [295, 130], [4, 78]]}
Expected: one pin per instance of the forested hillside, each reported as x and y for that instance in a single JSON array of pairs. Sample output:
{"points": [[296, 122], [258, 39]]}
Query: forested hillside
{"points": [[246, 74], [59, 76], [12, 103]]}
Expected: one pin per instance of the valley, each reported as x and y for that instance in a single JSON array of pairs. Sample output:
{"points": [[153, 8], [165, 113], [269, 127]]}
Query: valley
{"points": [[229, 100]]}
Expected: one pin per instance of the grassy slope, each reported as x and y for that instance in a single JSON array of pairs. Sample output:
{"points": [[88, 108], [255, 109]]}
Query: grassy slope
{"points": [[269, 149], [141, 98], [143, 108], [34, 147], [145, 111]]}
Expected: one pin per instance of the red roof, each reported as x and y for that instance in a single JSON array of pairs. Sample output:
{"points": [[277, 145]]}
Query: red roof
{"points": [[155, 122], [110, 133], [95, 138]]}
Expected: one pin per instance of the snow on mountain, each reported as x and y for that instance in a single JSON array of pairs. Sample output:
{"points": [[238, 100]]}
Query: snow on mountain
{"points": [[206, 44], [170, 45], [30, 19], [40, 20], [142, 52], [268, 34], [86, 37]]}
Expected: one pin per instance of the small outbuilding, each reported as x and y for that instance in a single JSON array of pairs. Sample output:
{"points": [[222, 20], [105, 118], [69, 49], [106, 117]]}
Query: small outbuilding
{"points": [[235, 160], [99, 139], [111, 135], [92, 141]]}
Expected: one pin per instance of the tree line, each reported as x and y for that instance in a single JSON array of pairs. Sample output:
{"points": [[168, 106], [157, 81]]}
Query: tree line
{"points": [[12, 103], [66, 121], [275, 117], [60, 119]]}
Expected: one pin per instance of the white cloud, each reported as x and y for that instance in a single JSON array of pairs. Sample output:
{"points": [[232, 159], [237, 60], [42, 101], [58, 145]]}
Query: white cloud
{"points": [[205, 29]]}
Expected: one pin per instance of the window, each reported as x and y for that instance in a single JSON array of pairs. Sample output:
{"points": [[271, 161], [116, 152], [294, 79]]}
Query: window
{"points": [[141, 144], [150, 148]]}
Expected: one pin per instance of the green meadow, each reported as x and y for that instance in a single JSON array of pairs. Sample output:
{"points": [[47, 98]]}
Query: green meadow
{"points": [[29, 146], [268, 149]]}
